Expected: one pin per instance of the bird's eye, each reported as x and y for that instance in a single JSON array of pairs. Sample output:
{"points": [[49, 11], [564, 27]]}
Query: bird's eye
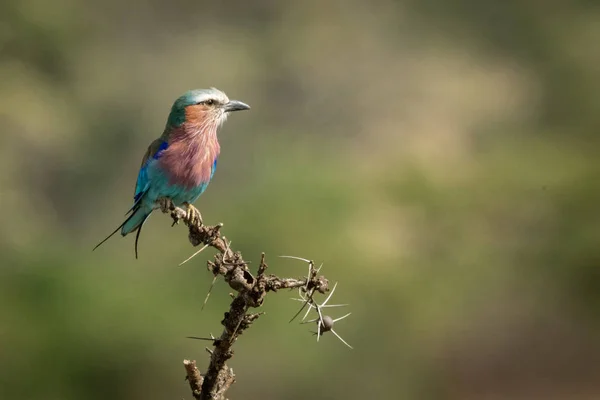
{"points": [[209, 102]]}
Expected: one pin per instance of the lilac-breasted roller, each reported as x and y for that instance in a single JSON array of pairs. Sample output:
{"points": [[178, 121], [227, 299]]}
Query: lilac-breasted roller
{"points": [[179, 164]]}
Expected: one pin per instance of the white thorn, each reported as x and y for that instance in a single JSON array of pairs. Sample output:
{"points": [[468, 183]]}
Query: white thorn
{"points": [[320, 320], [193, 255], [209, 290], [340, 318], [310, 307], [319, 326], [343, 341], [296, 258], [330, 294]]}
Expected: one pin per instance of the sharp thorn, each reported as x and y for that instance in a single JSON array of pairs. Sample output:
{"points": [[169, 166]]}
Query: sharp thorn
{"points": [[340, 318], [339, 337], [193, 255], [296, 258], [330, 294], [209, 290], [299, 311]]}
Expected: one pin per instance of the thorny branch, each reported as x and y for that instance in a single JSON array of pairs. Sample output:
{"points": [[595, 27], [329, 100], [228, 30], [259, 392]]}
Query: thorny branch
{"points": [[251, 291]]}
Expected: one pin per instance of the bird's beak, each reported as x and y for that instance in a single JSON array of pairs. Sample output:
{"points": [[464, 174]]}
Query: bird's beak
{"points": [[235, 105]]}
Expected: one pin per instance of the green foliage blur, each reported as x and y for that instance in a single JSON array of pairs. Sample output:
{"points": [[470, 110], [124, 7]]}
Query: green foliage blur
{"points": [[439, 157]]}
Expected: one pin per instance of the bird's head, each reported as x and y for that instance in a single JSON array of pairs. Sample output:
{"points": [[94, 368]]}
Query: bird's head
{"points": [[203, 107]]}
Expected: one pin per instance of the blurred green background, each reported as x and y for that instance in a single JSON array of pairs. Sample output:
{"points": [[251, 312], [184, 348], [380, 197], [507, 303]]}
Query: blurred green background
{"points": [[439, 157]]}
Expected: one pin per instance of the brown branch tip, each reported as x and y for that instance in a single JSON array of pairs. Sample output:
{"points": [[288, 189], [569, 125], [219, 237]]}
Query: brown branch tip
{"points": [[251, 292]]}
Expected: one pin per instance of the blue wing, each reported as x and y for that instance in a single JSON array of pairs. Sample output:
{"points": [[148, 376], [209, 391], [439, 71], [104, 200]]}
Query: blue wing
{"points": [[140, 214], [142, 183]]}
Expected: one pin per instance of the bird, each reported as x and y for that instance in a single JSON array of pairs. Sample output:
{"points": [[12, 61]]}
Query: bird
{"points": [[179, 165]]}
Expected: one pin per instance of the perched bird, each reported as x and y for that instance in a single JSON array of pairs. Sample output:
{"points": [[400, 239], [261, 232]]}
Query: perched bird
{"points": [[179, 164]]}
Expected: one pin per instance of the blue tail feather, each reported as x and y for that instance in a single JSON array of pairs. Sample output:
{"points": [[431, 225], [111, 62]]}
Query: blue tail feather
{"points": [[137, 235], [113, 232], [135, 221]]}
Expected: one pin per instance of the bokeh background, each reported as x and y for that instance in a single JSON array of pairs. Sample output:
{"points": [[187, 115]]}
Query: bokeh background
{"points": [[439, 157]]}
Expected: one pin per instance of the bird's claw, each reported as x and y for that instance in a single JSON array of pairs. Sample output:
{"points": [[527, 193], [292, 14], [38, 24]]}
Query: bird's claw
{"points": [[192, 215], [165, 204]]}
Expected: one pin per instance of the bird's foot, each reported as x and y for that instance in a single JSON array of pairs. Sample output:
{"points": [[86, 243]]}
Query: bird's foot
{"points": [[193, 216], [165, 204]]}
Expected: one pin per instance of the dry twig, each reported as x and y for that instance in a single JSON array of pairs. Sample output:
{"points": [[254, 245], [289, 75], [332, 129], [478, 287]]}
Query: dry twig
{"points": [[251, 291]]}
